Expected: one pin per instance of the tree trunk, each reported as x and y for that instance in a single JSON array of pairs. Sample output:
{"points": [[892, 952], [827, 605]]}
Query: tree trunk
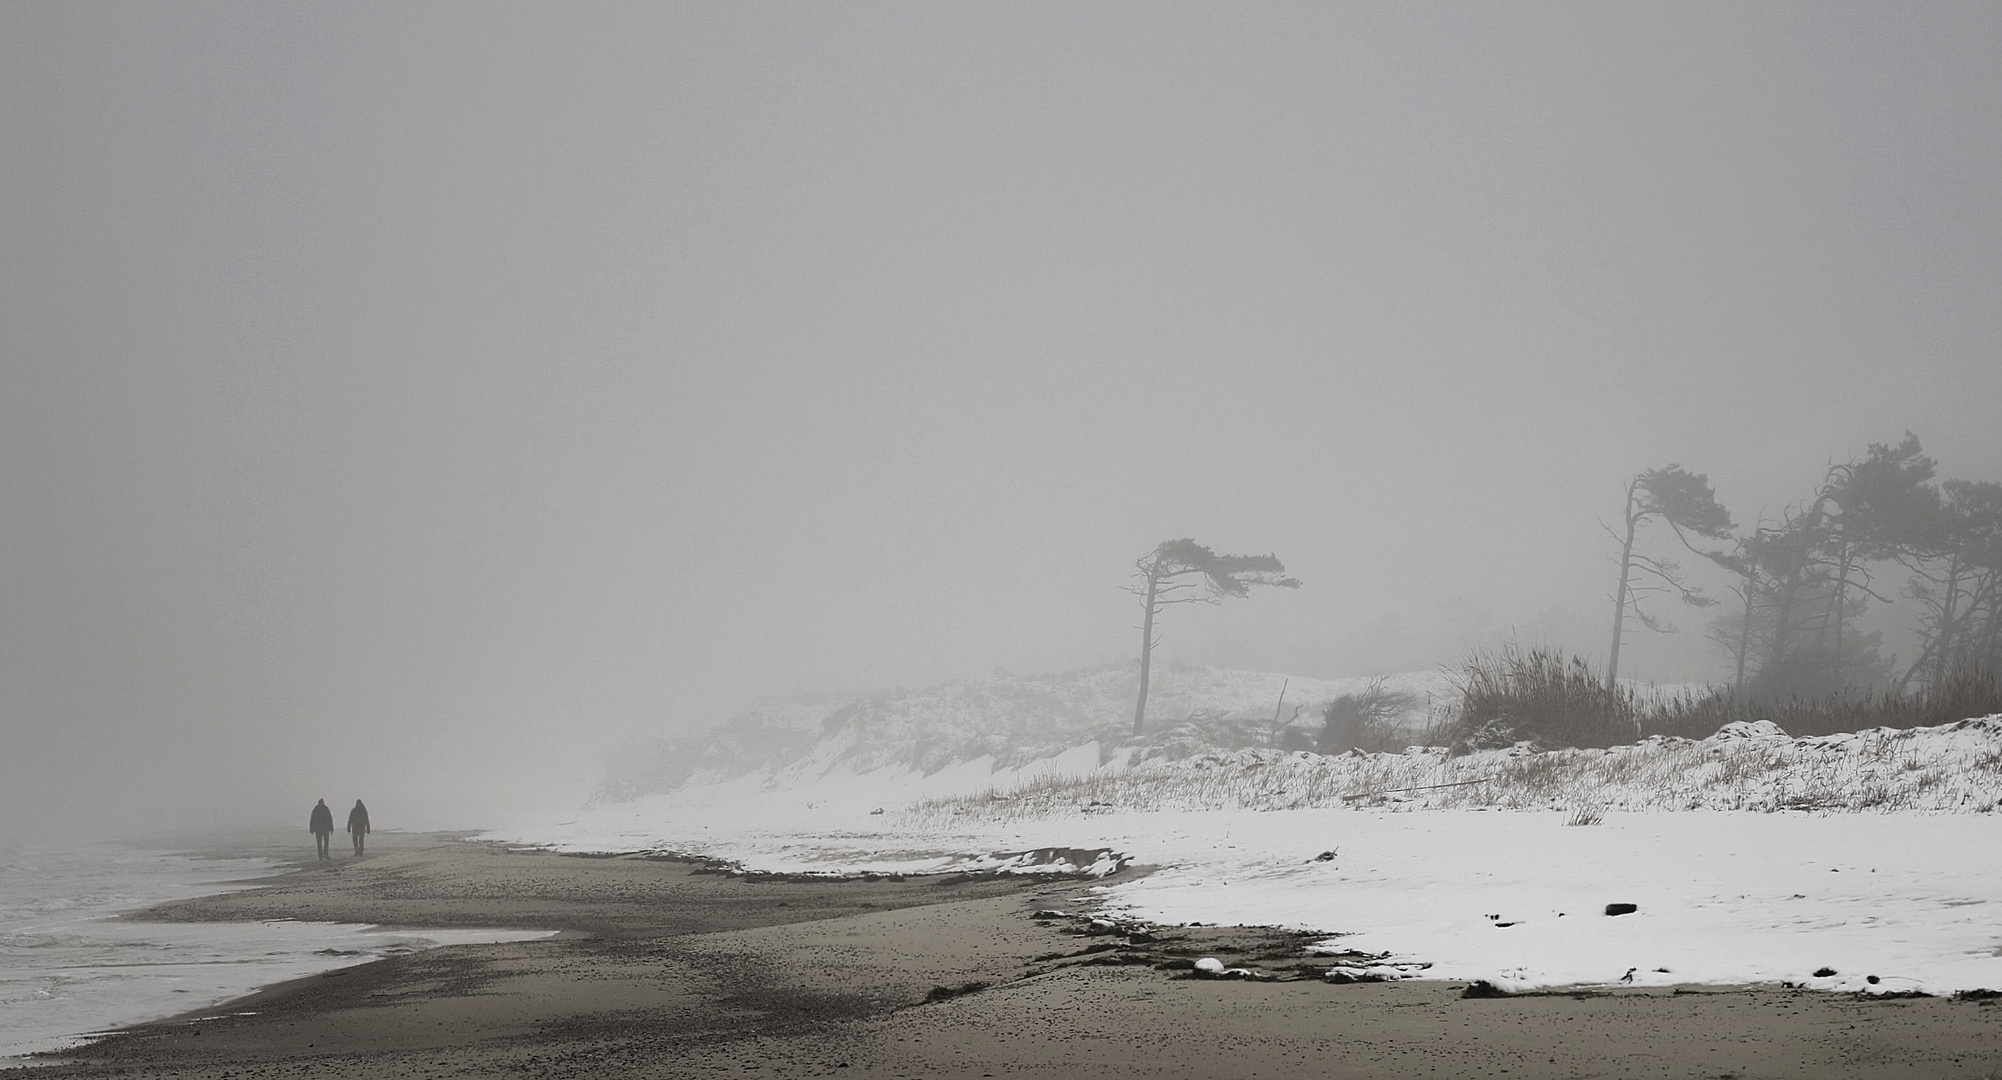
{"points": [[1924, 661], [1951, 601], [1990, 655], [1786, 598], [1933, 653], [1744, 637], [1803, 533], [1620, 594], [1782, 622], [1146, 654], [1277, 729], [1841, 598]]}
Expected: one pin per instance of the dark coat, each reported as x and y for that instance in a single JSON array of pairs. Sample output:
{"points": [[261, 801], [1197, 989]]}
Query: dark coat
{"points": [[323, 820], [358, 818]]}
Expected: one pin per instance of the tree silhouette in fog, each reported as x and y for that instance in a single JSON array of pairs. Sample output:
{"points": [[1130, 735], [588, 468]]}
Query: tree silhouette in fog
{"points": [[1185, 572], [1684, 500]]}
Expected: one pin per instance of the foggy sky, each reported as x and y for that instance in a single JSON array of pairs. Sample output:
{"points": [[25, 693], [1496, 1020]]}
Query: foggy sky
{"points": [[411, 401]]}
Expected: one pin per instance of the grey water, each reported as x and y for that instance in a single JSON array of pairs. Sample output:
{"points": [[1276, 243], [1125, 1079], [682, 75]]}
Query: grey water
{"points": [[71, 966]]}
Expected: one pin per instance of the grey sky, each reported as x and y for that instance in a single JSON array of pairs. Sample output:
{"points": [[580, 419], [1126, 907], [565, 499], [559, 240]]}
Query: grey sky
{"points": [[408, 401]]}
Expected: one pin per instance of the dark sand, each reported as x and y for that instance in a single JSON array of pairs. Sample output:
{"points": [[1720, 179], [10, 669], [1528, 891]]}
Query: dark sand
{"points": [[664, 970]]}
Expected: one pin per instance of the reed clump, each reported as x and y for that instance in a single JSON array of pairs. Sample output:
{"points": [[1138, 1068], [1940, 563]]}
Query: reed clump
{"points": [[1539, 695], [1542, 696], [1968, 692]]}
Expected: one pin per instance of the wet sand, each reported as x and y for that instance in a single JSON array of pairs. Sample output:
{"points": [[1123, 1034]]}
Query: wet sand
{"points": [[665, 969]]}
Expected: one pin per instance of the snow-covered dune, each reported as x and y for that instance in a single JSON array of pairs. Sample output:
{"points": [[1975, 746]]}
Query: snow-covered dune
{"points": [[1949, 768], [1007, 721]]}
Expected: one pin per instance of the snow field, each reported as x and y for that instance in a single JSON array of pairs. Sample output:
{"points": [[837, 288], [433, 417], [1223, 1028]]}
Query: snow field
{"points": [[1519, 898]]}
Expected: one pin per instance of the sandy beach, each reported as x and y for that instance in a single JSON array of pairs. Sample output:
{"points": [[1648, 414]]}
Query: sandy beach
{"points": [[668, 968]]}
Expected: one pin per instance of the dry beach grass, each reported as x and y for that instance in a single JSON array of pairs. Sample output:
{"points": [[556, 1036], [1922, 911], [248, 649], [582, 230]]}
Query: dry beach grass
{"points": [[1950, 768]]}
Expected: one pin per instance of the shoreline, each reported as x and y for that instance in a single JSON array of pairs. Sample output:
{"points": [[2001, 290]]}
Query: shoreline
{"points": [[660, 969], [93, 959]]}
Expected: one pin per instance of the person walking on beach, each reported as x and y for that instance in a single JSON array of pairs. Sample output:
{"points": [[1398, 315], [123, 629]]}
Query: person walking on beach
{"points": [[322, 825], [358, 824]]}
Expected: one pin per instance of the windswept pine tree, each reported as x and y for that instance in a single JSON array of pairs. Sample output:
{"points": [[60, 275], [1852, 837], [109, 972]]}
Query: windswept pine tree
{"points": [[1883, 507], [1957, 582], [1185, 572], [1686, 502], [1806, 578]]}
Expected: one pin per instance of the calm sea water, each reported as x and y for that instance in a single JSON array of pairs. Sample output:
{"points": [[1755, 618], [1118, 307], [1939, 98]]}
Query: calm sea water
{"points": [[70, 968]]}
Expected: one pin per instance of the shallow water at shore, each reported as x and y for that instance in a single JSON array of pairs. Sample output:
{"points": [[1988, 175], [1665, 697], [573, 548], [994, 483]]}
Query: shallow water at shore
{"points": [[70, 966]]}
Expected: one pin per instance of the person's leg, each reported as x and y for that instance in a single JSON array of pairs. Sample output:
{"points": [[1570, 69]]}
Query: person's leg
{"points": [[320, 842]]}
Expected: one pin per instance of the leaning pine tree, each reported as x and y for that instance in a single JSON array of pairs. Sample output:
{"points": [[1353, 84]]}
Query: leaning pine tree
{"points": [[1185, 572], [1684, 500]]}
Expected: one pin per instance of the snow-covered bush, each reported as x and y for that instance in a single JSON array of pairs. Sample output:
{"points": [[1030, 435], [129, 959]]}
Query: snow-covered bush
{"points": [[1367, 720]]}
